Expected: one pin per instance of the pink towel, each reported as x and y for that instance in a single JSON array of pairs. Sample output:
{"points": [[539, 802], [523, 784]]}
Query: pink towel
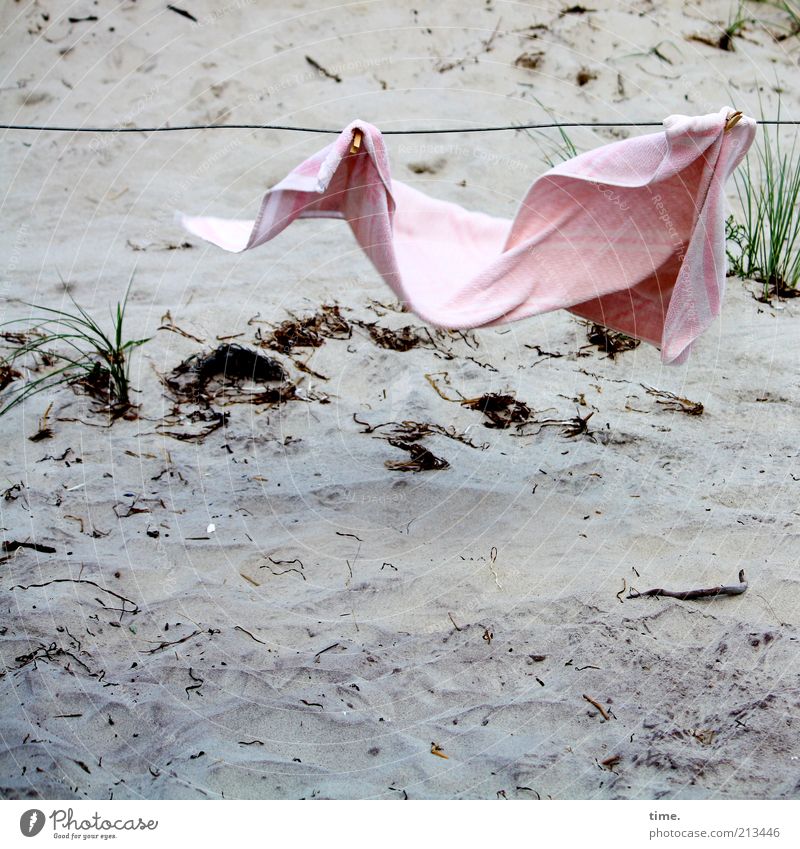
{"points": [[630, 235]]}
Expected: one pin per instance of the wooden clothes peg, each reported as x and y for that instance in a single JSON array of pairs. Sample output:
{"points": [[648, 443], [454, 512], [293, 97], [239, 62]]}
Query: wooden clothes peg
{"points": [[357, 137], [733, 120]]}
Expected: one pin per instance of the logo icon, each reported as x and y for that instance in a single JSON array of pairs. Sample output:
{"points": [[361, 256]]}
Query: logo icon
{"points": [[31, 822]]}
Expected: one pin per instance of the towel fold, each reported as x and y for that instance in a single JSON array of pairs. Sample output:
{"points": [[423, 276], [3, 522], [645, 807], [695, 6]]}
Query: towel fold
{"points": [[630, 235]]}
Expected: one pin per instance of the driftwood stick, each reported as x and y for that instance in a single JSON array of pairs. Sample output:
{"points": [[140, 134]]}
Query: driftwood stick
{"points": [[595, 703], [688, 595]]}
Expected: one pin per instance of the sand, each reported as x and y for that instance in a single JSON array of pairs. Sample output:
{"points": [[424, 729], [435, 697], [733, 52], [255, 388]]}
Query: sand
{"points": [[308, 622]]}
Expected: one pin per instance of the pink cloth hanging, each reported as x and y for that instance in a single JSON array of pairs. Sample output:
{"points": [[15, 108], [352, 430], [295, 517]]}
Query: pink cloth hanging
{"points": [[630, 235]]}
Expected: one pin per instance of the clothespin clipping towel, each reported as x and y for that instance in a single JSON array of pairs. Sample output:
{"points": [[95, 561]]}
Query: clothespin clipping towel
{"points": [[733, 120], [630, 235]]}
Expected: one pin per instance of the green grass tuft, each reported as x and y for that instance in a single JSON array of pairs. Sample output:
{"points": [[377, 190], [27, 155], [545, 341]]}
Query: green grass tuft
{"points": [[83, 353], [764, 241], [552, 150]]}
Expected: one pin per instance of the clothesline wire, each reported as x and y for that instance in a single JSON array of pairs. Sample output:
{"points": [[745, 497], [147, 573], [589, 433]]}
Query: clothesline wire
{"points": [[326, 131]]}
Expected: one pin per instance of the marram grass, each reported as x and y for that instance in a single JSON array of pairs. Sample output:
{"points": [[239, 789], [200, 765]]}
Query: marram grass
{"points": [[71, 347], [764, 239]]}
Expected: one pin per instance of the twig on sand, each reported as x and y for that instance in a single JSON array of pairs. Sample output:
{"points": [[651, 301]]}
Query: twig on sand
{"points": [[245, 631], [603, 711], [164, 645], [49, 653], [168, 324], [324, 71], [454, 622], [689, 595], [438, 389], [284, 563], [322, 651], [182, 12], [196, 686], [529, 789], [437, 750], [134, 606]]}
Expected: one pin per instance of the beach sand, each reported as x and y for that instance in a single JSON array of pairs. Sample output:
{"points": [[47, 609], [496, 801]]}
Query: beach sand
{"points": [[300, 620]]}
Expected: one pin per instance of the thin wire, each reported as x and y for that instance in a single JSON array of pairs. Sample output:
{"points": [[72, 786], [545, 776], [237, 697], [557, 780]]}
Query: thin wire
{"points": [[322, 130]]}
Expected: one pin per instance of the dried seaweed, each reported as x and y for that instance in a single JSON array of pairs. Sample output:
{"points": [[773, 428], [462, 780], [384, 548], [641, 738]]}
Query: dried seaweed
{"points": [[501, 410], [96, 383], [13, 492], [99, 383], [160, 246], [212, 419], [570, 428], [167, 644], [411, 431], [380, 308], [421, 460], [544, 355], [438, 389], [576, 426], [309, 331], [294, 333], [50, 653], [7, 375], [411, 336], [16, 337], [404, 339], [611, 341], [674, 403], [8, 547], [44, 431], [134, 608], [218, 376], [168, 324]]}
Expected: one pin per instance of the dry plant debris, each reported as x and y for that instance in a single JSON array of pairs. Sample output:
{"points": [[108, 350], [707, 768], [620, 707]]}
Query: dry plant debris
{"points": [[610, 341], [218, 376], [309, 331], [673, 402], [690, 595], [421, 459], [501, 410]]}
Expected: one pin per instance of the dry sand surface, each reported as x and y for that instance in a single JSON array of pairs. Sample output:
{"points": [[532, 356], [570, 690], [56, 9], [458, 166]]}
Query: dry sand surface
{"points": [[343, 623]]}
